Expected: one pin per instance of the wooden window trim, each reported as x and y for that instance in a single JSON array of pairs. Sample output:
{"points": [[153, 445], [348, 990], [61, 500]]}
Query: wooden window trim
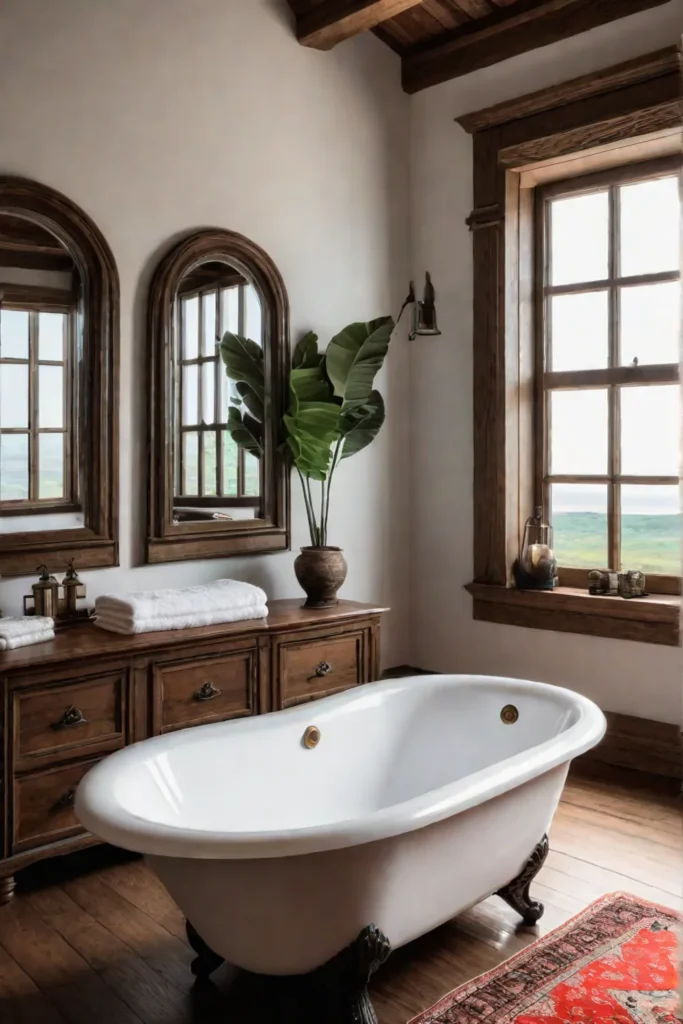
{"points": [[167, 540], [636, 106], [95, 544]]}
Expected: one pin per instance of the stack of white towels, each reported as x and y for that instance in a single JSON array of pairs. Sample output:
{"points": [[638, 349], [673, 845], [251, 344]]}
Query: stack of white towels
{"points": [[147, 612], [24, 630]]}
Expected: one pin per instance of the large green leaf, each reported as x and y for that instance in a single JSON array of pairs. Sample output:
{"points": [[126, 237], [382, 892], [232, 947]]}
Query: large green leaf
{"points": [[244, 363], [355, 356], [310, 385], [306, 355], [361, 425], [249, 398], [246, 431]]}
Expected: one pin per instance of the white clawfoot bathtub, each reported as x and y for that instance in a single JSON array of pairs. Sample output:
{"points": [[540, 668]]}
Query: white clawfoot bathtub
{"points": [[417, 802]]}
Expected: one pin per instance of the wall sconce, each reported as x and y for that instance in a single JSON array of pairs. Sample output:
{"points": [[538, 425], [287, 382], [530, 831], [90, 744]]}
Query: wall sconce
{"points": [[424, 312]]}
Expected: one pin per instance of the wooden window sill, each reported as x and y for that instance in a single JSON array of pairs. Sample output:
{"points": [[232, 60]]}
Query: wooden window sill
{"points": [[653, 619]]}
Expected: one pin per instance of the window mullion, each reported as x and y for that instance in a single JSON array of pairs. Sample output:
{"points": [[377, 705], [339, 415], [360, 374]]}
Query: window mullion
{"points": [[242, 320], [614, 392], [33, 468]]}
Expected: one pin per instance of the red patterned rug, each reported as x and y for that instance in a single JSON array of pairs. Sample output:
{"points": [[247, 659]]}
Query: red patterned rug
{"points": [[615, 963]]}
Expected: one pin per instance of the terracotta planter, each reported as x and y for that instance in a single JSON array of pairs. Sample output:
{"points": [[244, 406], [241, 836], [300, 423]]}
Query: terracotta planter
{"points": [[321, 572]]}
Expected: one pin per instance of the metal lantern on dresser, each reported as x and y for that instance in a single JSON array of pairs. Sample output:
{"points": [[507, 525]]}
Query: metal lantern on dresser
{"points": [[68, 703]]}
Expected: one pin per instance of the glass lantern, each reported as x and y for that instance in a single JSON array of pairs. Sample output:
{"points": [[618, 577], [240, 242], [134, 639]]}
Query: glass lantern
{"points": [[536, 568]]}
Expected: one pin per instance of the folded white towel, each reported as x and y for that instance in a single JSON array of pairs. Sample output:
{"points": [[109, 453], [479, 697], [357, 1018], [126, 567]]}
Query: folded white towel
{"points": [[127, 625], [17, 626], [222, 595], [27, 640]]}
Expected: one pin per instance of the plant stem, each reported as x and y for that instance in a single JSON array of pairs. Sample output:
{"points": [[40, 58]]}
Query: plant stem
{"points": [[309, 510], [316, 533], [323, 524], [335, 460]]}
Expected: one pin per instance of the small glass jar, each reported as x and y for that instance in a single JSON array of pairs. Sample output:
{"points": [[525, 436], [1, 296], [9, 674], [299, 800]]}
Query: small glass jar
{"points": [[537, 565]]}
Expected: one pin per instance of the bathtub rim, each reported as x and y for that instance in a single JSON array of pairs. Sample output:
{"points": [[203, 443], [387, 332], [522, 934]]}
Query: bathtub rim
{"points": [[106, 818]]}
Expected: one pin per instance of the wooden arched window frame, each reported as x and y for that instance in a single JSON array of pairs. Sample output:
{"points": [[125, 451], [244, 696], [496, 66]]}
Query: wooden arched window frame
{"points": [[94, 386], [169, 540]]}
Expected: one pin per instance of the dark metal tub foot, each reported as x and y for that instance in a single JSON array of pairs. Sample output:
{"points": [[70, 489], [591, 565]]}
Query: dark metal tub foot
{"points": [[516, 893]]}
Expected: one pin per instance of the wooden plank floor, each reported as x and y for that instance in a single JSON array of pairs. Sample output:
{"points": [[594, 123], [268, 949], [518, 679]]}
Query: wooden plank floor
{"points": [[108, 947]]}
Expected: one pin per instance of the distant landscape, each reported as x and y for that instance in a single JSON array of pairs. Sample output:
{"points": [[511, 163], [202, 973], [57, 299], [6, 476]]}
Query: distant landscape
{"points": [[651, 543]]}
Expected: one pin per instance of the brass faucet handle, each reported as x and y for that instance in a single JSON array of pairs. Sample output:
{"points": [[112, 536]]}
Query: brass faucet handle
{"points": [[311, 737]]}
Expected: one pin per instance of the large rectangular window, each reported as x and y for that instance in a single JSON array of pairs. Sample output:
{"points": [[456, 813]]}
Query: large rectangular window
{"points": [[38, 460], [211, 471], [607, 395]]}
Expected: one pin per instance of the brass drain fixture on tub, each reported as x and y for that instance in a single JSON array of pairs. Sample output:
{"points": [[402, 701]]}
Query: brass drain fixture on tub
{"points": [[311, 737], [509, 714]]}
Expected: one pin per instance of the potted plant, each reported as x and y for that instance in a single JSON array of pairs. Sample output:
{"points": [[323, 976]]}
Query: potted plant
{"points": [[333, 413]]}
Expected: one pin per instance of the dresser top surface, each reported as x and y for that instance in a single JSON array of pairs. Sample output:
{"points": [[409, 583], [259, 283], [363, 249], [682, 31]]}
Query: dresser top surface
{"points": [[87, 640]]}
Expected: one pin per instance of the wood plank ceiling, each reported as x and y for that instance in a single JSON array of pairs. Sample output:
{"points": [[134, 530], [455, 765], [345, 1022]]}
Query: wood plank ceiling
{"points": [[442, 39]]}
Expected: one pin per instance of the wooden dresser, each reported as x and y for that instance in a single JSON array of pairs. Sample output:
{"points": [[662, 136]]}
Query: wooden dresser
{"points": [[68, 703]]}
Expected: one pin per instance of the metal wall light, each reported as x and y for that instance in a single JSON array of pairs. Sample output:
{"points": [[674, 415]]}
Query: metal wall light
{"points": [[424, 312]]}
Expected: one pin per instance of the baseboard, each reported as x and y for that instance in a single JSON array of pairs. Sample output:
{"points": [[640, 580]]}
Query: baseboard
{"points": [[637, 743], [400, 671]]}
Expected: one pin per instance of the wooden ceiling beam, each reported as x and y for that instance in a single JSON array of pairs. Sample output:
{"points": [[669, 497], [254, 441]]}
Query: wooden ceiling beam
{"points": [[335, 20], [509, 32]]}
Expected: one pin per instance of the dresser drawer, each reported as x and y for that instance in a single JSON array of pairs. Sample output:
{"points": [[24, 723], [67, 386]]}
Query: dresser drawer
{"points": [[315, 668], [43, 806], [52, 723], [200, 690]]}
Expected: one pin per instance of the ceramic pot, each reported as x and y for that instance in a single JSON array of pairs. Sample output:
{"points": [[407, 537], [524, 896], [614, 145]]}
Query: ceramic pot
{"points": [[320, 572]]}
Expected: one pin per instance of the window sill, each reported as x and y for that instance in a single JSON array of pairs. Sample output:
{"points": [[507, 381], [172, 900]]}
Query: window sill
{"points": [[653, 619]]}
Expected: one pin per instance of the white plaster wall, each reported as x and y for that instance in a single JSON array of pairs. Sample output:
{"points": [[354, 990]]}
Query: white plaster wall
{"points": [[637, 679], [160, 116]]}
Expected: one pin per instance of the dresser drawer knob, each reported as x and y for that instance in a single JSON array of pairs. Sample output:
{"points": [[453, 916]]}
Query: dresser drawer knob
{"points": [[66, 800], [323, 669], [71, 717], [207, 692]]}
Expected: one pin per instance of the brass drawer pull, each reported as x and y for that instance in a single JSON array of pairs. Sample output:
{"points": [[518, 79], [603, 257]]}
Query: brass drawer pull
{"points": [[66, 800], [321, 670], [207, 692], [71, 717]]}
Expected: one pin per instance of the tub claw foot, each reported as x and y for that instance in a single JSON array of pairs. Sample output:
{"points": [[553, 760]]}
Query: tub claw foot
{"points": [[337, 992], [516, 894], [206, 961]]}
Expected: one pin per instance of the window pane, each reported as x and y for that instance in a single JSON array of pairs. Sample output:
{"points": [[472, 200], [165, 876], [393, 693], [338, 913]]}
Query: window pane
{"points": [[253, 315], [649, 227], [190, 463], [13, 467], [51, 466], [210, 487], [208, 393], [229, 466], [579, 519], [14, 395], [579, 238], [578, 432], [650, 431], [190, 396], [190, 318], [580, 331], [13, 334], [51, 396], [230, 310], [651, 529], [51, 336], [209, 324], [252, 475], [650, 323]]}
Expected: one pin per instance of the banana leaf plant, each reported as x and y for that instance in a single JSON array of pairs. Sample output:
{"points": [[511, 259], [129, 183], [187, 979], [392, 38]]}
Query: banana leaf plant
{"points": [[333, 413]]}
